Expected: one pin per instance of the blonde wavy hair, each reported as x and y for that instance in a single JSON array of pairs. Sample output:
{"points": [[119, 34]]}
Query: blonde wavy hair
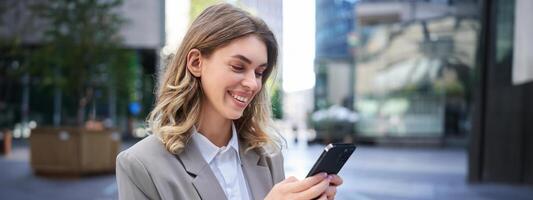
{"points": [[179, 94]]}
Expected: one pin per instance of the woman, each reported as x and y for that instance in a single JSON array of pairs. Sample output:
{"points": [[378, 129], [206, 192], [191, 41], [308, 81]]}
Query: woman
{"points": [[209, 126]]}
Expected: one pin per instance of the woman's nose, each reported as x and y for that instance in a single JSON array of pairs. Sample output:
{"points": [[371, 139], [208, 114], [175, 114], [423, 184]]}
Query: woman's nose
{"points": [[250, 81]]}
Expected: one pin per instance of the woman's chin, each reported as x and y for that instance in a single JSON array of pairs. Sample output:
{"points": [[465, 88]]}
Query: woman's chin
{"points": [[233, 115]]}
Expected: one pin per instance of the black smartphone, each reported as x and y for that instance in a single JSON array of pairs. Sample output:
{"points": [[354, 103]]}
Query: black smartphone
{"points": [[332, 159]]}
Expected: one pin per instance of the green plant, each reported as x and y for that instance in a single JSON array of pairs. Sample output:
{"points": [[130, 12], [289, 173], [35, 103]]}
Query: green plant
{"points": [[277, 101], [81, 49]]}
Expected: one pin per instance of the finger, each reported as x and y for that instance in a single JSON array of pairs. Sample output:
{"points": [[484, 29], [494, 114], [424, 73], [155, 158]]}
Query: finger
{"points": [[305, 184], [314, 191], [290, 179], [323, 197], [335, 180], [283, 184], [331, 191]]}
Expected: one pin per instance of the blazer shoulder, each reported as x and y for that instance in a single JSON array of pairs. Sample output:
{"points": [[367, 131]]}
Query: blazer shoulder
{"points": [[147, 147], [133, 173], [145, 153], [275, 164], [156, 171]]}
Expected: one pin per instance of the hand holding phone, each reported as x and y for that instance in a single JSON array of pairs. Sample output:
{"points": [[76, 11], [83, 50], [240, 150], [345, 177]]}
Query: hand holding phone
{"points": [[332, 159]]}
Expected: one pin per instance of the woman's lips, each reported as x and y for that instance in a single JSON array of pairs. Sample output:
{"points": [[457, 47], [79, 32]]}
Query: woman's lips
{"points": [[240, 99]]}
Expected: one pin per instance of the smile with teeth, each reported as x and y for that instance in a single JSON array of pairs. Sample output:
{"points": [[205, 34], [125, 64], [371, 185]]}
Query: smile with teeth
{"points": [[240, 98]]}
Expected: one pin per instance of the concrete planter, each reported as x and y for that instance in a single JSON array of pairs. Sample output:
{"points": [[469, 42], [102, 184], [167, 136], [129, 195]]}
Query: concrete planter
{"points": [[5, 142], [73, 151]]}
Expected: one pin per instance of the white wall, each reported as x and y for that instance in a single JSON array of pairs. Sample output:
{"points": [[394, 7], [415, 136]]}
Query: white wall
{"points": [[338, 81], [523, 42], [145, 28]]}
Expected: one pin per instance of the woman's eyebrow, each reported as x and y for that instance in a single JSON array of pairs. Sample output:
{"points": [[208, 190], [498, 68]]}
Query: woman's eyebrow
{"points": [[246, 60]]}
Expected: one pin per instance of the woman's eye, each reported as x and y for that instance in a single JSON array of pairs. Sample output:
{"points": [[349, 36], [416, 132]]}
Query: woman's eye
{"points": [[237, 68], [259, 74]]}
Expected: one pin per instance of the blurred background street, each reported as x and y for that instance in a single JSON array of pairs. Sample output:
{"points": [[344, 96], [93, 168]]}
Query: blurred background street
{"points": [[436, 94], [371, 173]]}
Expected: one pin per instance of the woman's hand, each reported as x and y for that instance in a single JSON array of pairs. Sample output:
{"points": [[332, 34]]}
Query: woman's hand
{"points": [[317, 186], [334, 182]]}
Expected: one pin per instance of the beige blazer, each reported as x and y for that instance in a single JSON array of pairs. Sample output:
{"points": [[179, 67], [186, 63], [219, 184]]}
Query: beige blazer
{"points": [[148, 171]]}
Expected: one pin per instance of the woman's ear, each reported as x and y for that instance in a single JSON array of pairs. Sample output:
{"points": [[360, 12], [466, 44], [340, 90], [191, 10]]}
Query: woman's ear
{"points": [[194, 62]]}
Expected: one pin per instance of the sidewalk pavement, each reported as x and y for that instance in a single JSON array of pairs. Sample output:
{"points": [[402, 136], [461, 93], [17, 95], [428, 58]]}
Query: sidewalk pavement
{"points": [[371, 173], [404, 174]]}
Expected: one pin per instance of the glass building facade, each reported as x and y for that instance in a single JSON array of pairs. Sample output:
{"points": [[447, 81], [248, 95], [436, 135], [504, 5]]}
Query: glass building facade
{"points": [[335, 22], [415, 64]]}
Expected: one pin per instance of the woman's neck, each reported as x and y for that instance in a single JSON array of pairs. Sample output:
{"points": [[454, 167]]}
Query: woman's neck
{"points": [[214, 127]]}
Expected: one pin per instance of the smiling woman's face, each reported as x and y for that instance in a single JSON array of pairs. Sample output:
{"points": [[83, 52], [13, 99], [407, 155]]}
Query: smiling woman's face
{"points": [[232, 76]]}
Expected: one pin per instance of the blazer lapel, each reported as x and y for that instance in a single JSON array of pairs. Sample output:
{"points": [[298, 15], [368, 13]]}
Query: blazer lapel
{"points": [[205, 182], [256, 171]]}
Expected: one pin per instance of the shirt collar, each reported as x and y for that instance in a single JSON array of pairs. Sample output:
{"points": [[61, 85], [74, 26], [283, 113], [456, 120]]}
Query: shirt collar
{"points": [[210, 150], [234, 141]]}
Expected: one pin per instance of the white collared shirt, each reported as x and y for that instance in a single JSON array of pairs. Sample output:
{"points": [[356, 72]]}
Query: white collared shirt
{"points": [[225, 163]]}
